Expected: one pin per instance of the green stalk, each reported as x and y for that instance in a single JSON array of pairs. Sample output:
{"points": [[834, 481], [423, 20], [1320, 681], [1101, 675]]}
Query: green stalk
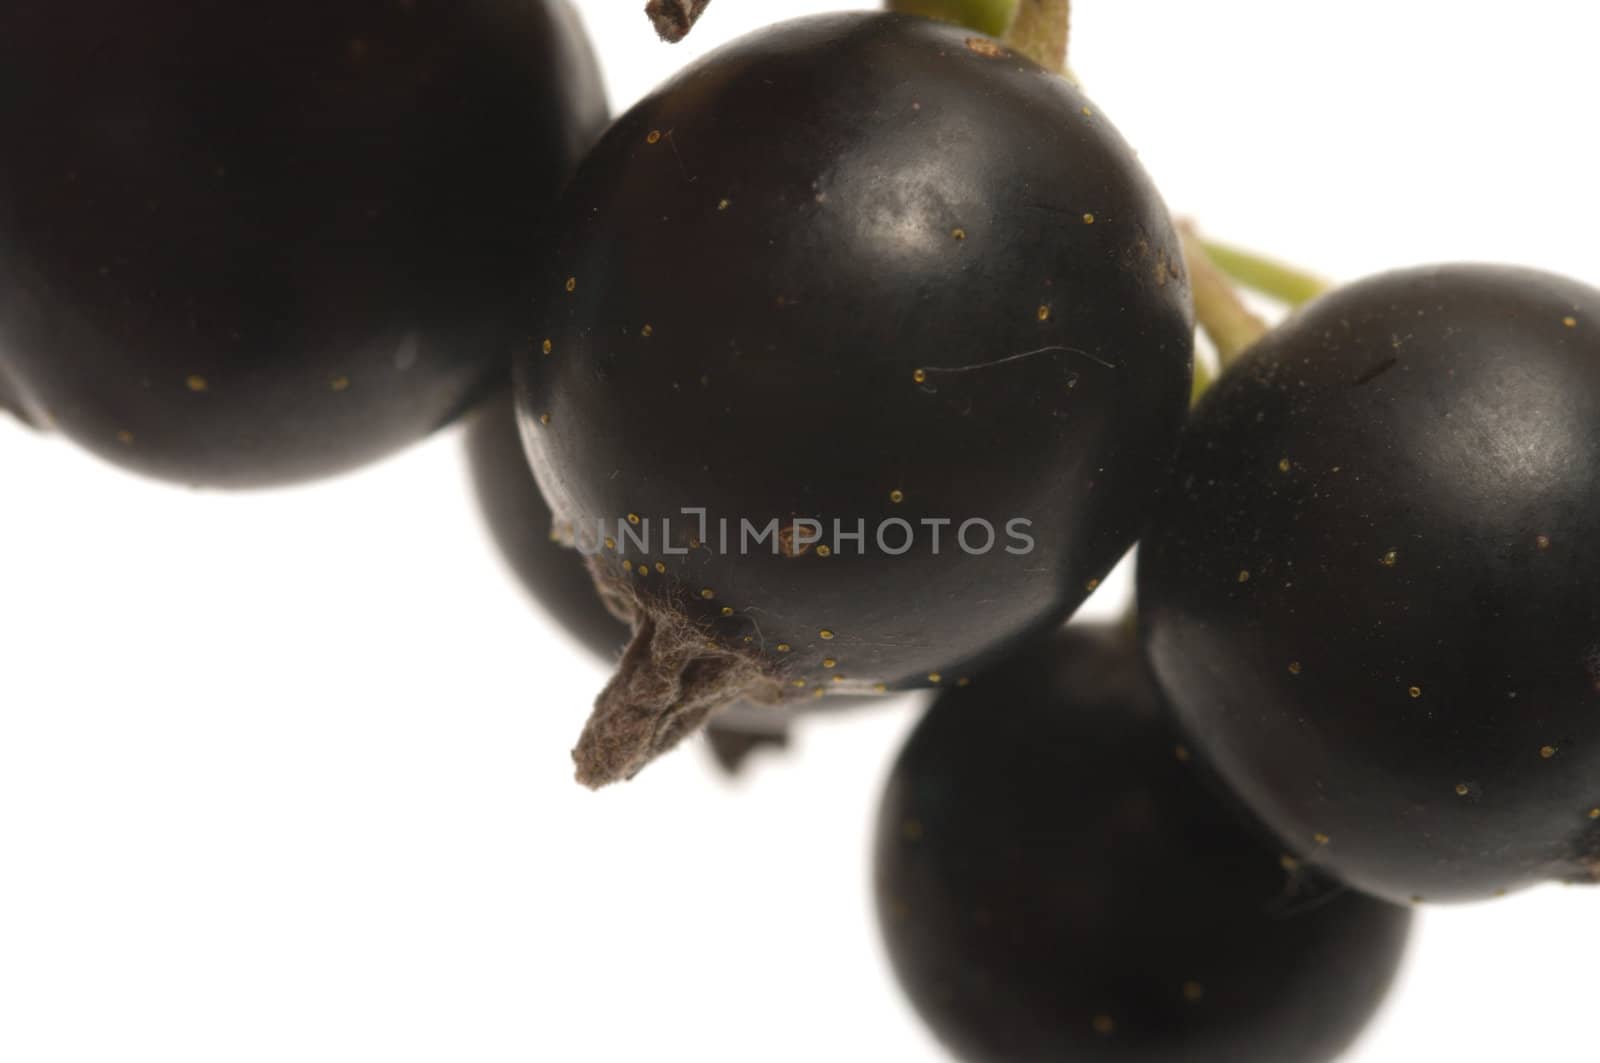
{"points": [[1039, 31], [1232, 327], [1260, 274], [993, 17]]}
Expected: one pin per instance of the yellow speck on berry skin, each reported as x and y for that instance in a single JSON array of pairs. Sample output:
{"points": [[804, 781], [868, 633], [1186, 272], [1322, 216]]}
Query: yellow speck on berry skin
{"points": [[1244, 575], [339, 383], [934, 677], [1415, 692], [1321, 838], [784, 647], [829, 662], [1462, 789], [825, 634], [1570, 322], [1294, 668], [572, 284], [897, 496], [958, 234], [727, 610], [920, 376], [547, 346], [1547, 752], [654, 137], [197, 383], [1088, 219], [707, 593], [1043, 313]]}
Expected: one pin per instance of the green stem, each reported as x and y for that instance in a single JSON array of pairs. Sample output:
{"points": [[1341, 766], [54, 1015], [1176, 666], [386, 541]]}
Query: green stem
{"points": [[1284, 283], [993, 17], [1040, 31], [1203, 379], [1231, 325]]}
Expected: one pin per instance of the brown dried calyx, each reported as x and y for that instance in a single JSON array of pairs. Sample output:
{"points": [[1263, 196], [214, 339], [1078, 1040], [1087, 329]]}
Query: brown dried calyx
{"points": [[671, 678], [673, 19]]}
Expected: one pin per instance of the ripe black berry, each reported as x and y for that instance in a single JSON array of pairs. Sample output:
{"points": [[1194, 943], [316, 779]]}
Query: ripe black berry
{"points": [[1054, 882], [244, 244], [1372, 593], [865, 269]]}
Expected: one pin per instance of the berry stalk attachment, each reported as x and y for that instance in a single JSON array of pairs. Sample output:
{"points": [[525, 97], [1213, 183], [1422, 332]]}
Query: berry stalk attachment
{"points": [[1288, 284], [1231, 326]]}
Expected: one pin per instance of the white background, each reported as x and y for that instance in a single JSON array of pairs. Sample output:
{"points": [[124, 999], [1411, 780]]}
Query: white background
{"points": [[285, 775]]}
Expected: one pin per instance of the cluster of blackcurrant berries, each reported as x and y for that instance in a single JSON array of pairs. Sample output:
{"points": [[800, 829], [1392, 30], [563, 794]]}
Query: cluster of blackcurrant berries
{"points": [[850, 361]]}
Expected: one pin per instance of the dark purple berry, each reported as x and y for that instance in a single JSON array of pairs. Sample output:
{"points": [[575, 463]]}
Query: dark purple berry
{"points": [[1055, 882], [1372, 594], [244, 244], [866, 269]]}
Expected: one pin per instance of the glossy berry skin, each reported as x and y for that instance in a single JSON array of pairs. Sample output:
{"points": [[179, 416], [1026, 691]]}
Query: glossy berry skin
{"points": [[861, 267], [1056, 882], [245, 244], [555, 577], [1372, 592]]}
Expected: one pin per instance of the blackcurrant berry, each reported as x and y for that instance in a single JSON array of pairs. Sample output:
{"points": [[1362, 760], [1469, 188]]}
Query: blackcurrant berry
{"points": [[867, 271], [1372, 594], [1055, 882], [244, 244]]}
